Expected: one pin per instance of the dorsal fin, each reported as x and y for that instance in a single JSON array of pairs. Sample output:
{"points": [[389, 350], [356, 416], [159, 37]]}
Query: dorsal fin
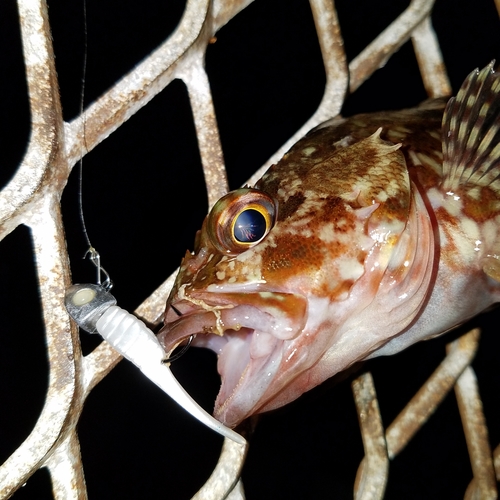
{"points": [[471, 137]]}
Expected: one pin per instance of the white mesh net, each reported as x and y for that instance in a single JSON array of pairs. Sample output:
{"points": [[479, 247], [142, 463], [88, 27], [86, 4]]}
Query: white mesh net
{"points": [[144, 197]]}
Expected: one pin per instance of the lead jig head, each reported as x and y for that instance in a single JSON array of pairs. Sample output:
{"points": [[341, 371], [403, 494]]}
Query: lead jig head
{"points": [[87, 303]]}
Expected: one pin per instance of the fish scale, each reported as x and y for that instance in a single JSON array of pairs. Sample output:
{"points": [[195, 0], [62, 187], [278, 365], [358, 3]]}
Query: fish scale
{"points": [[376, 226]]}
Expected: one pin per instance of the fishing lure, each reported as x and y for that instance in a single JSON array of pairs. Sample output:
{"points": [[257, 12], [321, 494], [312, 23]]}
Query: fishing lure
{"points": [[94, 309]]}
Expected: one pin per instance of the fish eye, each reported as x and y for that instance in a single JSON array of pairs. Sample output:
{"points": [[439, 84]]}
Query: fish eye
{"points": [[250, 225], [240, 220]]}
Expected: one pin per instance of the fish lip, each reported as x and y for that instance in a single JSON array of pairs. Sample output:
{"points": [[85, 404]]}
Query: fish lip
{"points": [[282, 315], [201, 323]]}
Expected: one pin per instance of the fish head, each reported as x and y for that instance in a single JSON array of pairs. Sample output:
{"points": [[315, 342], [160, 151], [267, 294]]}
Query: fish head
{"points": [[283, 273]]}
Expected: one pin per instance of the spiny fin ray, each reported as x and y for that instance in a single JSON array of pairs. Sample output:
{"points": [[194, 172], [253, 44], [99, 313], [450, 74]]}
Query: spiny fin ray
{"points": [[471, 132]]}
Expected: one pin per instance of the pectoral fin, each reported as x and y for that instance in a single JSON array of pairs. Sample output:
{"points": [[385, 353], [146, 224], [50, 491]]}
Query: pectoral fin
{"points": [[471, 133], [471, 158]]}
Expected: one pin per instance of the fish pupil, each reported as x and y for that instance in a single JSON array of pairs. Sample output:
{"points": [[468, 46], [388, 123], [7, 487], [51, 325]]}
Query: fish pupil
{"points": [[250, 226]]}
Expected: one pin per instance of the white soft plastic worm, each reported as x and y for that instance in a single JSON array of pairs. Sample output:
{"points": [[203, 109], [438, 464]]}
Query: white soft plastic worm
{"points": [[94, 310]]}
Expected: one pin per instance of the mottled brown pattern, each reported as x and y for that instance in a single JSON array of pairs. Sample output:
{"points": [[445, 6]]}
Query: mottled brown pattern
{"points": [[273, 182], [334, 211], [289, 207], [362, 173], [448, 226], [337, 290], [486, 208], [418, 123]]}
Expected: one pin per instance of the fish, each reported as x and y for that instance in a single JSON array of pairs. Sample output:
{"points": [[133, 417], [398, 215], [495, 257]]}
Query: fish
{"points": [[372, 233]]}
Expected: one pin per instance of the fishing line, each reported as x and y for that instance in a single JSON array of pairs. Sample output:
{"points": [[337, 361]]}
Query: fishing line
{"points": [[93, 254], [82, 98]]}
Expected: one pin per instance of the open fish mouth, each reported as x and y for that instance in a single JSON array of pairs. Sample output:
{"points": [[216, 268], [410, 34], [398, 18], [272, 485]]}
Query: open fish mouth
{"points": [[246, 331]]}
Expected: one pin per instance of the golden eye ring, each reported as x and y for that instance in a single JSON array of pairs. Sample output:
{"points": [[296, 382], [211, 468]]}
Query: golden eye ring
{"points": [[240, 220]]}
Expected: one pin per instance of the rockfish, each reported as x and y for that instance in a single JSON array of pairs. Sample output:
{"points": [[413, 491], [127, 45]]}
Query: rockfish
{"points": [[357, 243]]}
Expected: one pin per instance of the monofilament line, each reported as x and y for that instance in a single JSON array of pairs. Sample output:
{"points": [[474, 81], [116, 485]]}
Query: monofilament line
{"points": [[95, 258], [82, 98]]}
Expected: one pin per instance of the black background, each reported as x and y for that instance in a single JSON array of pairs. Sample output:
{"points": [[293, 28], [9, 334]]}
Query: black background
{"points": [[267, 79]]}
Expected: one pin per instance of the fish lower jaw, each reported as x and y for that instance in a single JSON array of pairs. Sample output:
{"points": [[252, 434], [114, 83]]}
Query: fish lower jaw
{"points": [[241, 354], [232, 365], [241, 393]]}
